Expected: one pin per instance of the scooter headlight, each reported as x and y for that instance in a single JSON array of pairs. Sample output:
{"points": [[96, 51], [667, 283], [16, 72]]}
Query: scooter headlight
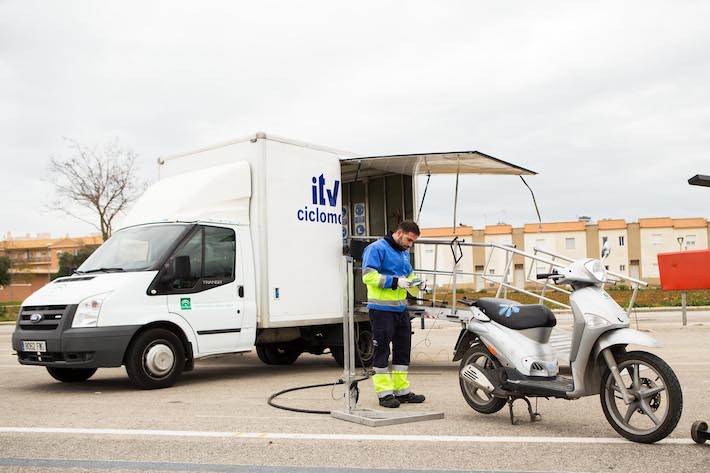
{"points": [[596, 269], [87, 314], [595, 321]]}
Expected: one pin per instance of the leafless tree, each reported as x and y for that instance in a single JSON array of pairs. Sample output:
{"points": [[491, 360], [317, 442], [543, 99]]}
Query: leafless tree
{"points": [[102, 180]]}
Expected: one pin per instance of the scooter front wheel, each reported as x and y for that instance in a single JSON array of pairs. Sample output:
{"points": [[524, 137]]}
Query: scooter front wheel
{"points": [[658, 399], [479, 400]]}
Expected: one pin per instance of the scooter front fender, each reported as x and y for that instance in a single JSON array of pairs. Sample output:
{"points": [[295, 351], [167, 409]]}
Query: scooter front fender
{"points": [[624, 336]]}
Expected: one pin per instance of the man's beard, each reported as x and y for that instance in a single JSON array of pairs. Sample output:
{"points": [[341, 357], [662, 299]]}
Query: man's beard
{"points": [[399, 243]]}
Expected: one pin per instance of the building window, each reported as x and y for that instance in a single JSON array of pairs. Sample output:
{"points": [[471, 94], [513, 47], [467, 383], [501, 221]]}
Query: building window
{"points": [[622, 267], [656, 239], [492, 271], [429, 251], [604, 240], [690, 241], [569, 244], [621, 241]]}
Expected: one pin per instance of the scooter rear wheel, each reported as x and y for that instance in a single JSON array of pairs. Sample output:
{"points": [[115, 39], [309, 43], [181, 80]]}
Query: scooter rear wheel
{"points": [[658, 402], [479, 400]]}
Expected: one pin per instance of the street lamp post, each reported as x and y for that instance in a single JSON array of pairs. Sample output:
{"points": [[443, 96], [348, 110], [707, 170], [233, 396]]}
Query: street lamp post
{"points": [[682, 296]]}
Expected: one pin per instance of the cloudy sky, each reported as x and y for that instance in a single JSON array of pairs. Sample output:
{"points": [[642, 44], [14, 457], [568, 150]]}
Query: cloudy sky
{"points": [[608, 101]]}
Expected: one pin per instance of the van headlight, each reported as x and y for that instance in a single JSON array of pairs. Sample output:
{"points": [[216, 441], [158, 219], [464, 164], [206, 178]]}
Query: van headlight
{"points": [[596, 269], [87, 314]]}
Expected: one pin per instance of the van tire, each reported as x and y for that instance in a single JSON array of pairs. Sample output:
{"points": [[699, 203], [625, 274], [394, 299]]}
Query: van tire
{"points": [[70, 375], [278, 354], [365, 348], [155, 359]]}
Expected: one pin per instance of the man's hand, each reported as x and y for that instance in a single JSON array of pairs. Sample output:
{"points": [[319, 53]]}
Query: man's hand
{"points": [[422, 285], [404, 283]]}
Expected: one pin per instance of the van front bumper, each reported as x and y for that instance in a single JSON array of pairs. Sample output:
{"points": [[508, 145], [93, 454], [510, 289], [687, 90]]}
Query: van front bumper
{"points": [[66, 347]]}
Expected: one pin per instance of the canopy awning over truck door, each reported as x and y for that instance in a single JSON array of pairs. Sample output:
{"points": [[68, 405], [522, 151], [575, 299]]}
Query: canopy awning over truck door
{"points": [[459, 162]]}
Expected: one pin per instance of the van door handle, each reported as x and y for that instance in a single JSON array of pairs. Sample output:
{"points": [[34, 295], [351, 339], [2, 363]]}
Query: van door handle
{"points": [[241, 291]]}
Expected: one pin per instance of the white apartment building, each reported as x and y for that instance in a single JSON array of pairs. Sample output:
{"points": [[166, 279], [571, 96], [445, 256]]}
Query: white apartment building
{"points": [[634, 247], [662, 235], [567, 239], [616, 233]]}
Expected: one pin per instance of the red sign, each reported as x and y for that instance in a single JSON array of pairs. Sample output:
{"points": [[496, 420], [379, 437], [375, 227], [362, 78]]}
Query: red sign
{"points": [[685, 270]]}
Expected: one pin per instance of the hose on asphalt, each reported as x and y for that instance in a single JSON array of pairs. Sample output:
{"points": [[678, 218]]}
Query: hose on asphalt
{"points": [[271, 402]]}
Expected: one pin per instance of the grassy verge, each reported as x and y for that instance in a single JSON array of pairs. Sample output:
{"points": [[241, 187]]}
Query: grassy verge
{"points": [[8, 311], [645, 297]]}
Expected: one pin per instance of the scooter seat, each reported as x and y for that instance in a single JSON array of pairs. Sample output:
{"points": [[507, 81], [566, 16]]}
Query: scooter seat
{"points": [[514, 315]]}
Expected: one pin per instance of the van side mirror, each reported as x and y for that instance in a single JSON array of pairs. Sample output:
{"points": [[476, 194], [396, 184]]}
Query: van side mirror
{"points": [[606, 249]]}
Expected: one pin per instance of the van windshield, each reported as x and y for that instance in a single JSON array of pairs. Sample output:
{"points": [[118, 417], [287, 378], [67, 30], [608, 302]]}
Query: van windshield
{"points": [[134, 249]]}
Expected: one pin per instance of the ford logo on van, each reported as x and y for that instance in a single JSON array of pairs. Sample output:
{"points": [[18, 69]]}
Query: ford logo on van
{"points": [[36, 318]]}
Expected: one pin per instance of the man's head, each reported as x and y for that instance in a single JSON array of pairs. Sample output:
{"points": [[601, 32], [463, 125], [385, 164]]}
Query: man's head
{"points": [[406, 234]]}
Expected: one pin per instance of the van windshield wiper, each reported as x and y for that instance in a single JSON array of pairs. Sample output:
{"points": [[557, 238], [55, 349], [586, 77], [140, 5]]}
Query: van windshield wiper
{"points": [[100, 270]]}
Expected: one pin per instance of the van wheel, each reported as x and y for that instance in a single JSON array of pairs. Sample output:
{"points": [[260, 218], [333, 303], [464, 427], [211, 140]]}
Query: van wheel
{"points": [[278, 354], [155, 359], [71, 375], [365, 347]]}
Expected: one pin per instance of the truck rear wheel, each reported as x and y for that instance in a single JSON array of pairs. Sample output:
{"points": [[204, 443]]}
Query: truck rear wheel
{"points": [[155, 359], [278, 354], [364, 344], [71, 375]]}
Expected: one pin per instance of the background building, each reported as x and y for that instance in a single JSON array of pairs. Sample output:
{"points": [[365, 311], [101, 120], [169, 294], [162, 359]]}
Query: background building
{"points": [[634, 247], [34, 260]]}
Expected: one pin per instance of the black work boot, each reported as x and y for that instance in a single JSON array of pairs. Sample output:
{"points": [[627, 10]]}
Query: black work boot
{"points": [[411, 398], [389, 401]]}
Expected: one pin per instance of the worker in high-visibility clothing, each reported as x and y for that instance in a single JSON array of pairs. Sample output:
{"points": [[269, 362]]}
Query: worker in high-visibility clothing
{"points": [[387, 272]]}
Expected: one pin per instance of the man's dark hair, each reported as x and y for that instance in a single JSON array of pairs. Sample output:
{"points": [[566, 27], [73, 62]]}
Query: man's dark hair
{"points": [[409, 226]]}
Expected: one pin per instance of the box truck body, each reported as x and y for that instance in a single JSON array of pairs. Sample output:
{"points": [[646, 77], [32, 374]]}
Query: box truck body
{"points": [[237, 245]]}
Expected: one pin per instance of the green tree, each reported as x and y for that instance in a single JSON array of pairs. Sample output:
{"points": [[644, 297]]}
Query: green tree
{"points": [[5, 271], [68, 262]]}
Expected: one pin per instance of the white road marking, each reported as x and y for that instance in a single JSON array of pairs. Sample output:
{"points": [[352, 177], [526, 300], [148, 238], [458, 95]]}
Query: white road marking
{"points": [[329, 437]]}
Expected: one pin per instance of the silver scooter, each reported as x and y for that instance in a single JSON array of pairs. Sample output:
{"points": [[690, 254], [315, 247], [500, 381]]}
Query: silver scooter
{"points": [[506, 354]]}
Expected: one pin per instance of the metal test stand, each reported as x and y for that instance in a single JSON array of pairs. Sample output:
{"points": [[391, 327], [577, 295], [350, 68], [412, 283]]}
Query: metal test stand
{"points": [[352, 413]]}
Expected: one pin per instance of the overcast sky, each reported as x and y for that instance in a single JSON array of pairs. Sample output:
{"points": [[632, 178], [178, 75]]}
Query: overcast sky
{"points": [[608, 101]]}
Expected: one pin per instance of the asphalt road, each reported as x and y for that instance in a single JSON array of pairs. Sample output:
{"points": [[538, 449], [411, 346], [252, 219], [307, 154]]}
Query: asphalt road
{"points": [[217, 419]]}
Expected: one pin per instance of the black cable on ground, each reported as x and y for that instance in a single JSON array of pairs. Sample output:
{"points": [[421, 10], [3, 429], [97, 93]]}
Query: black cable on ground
{"points": [[308, 411], [294, 409]]}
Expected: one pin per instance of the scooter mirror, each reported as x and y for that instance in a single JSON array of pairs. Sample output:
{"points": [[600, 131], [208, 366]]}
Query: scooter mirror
{"points": [[606, 249]]}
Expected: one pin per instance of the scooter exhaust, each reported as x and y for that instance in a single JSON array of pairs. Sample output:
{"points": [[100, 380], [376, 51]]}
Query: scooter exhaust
{"points": [[477, 377]]}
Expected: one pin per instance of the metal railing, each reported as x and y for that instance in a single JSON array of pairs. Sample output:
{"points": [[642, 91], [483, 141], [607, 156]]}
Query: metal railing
{"points": [[505, 279], [550, 260]]}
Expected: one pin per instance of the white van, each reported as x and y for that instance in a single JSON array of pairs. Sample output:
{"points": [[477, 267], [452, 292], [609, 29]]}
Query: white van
{"points": [[237, 245]]}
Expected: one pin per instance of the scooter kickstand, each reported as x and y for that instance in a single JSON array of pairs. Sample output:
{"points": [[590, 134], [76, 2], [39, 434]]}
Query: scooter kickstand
{"points": [[534, 416], [513, 421]]}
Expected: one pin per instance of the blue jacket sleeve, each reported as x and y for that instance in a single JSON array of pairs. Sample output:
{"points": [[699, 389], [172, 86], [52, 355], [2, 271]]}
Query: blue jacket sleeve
{"points": [[371, 267]]}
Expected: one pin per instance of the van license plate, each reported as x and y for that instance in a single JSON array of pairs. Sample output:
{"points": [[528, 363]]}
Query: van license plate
{"points": [[34, 346]]}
